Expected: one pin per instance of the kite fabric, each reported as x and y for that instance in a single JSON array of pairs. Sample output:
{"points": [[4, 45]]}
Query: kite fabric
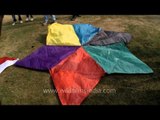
{"points": [[46, 57], [5, 62], [85, 32], [109, 37], [78, 55], [116, 58], [75, 77], [62, 35]]}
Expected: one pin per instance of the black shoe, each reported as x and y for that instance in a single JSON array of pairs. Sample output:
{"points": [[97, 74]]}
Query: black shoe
{"points": [[73, 18]]}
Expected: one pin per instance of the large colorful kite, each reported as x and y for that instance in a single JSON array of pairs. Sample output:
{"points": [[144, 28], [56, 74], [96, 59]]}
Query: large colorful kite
{"points": [[78, 55]]}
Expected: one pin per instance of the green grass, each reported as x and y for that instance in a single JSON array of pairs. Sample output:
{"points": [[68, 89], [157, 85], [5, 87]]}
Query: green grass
{"points": [[24, 86]]}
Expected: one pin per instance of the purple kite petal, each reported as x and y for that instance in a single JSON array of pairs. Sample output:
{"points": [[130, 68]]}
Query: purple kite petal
{"points": [[46, 57]]}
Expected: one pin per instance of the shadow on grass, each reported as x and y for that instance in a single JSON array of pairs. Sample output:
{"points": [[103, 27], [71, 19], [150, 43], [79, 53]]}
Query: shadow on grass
{"points": [[42, 38], [25, 68]]}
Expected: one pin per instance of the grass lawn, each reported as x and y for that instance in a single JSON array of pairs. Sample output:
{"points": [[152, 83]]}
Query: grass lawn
{"points": [[20, 86]]}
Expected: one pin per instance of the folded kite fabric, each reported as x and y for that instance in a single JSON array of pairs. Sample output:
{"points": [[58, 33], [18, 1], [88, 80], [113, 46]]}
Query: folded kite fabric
{"points": [[5, 62], [109, 37]]}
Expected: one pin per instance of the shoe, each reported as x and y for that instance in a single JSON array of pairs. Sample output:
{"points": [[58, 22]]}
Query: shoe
{"points": [[13, 23], [44, 24], [31, 19], [73, 19], [21, 21], [27, 19]]}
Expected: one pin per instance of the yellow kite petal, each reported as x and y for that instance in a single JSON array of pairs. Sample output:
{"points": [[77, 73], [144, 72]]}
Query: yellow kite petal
{"points": [[62, 34]]}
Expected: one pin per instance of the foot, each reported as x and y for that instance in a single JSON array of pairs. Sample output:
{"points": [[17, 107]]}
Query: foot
{"points": [[44, 24], [73, 19], [13, 23], [27, 19], [31, 19], [21, 21]]}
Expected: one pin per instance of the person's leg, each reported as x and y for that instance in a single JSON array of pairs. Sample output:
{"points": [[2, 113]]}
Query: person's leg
{"points": [[14, 19], [20, 19], [45, 20], [74, 17], [31, 18], [27, 18], [1, 20], [53, 17]]}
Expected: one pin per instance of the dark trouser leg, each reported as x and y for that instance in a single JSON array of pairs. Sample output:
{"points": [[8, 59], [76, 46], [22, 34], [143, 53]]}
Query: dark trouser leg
{"points": [[19, 17], [27, 16], [1, 20], [74, 17], [14, 18]]}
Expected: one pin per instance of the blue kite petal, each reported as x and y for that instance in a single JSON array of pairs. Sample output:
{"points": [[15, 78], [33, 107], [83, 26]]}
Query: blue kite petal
{"points": [[85, 32]]}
